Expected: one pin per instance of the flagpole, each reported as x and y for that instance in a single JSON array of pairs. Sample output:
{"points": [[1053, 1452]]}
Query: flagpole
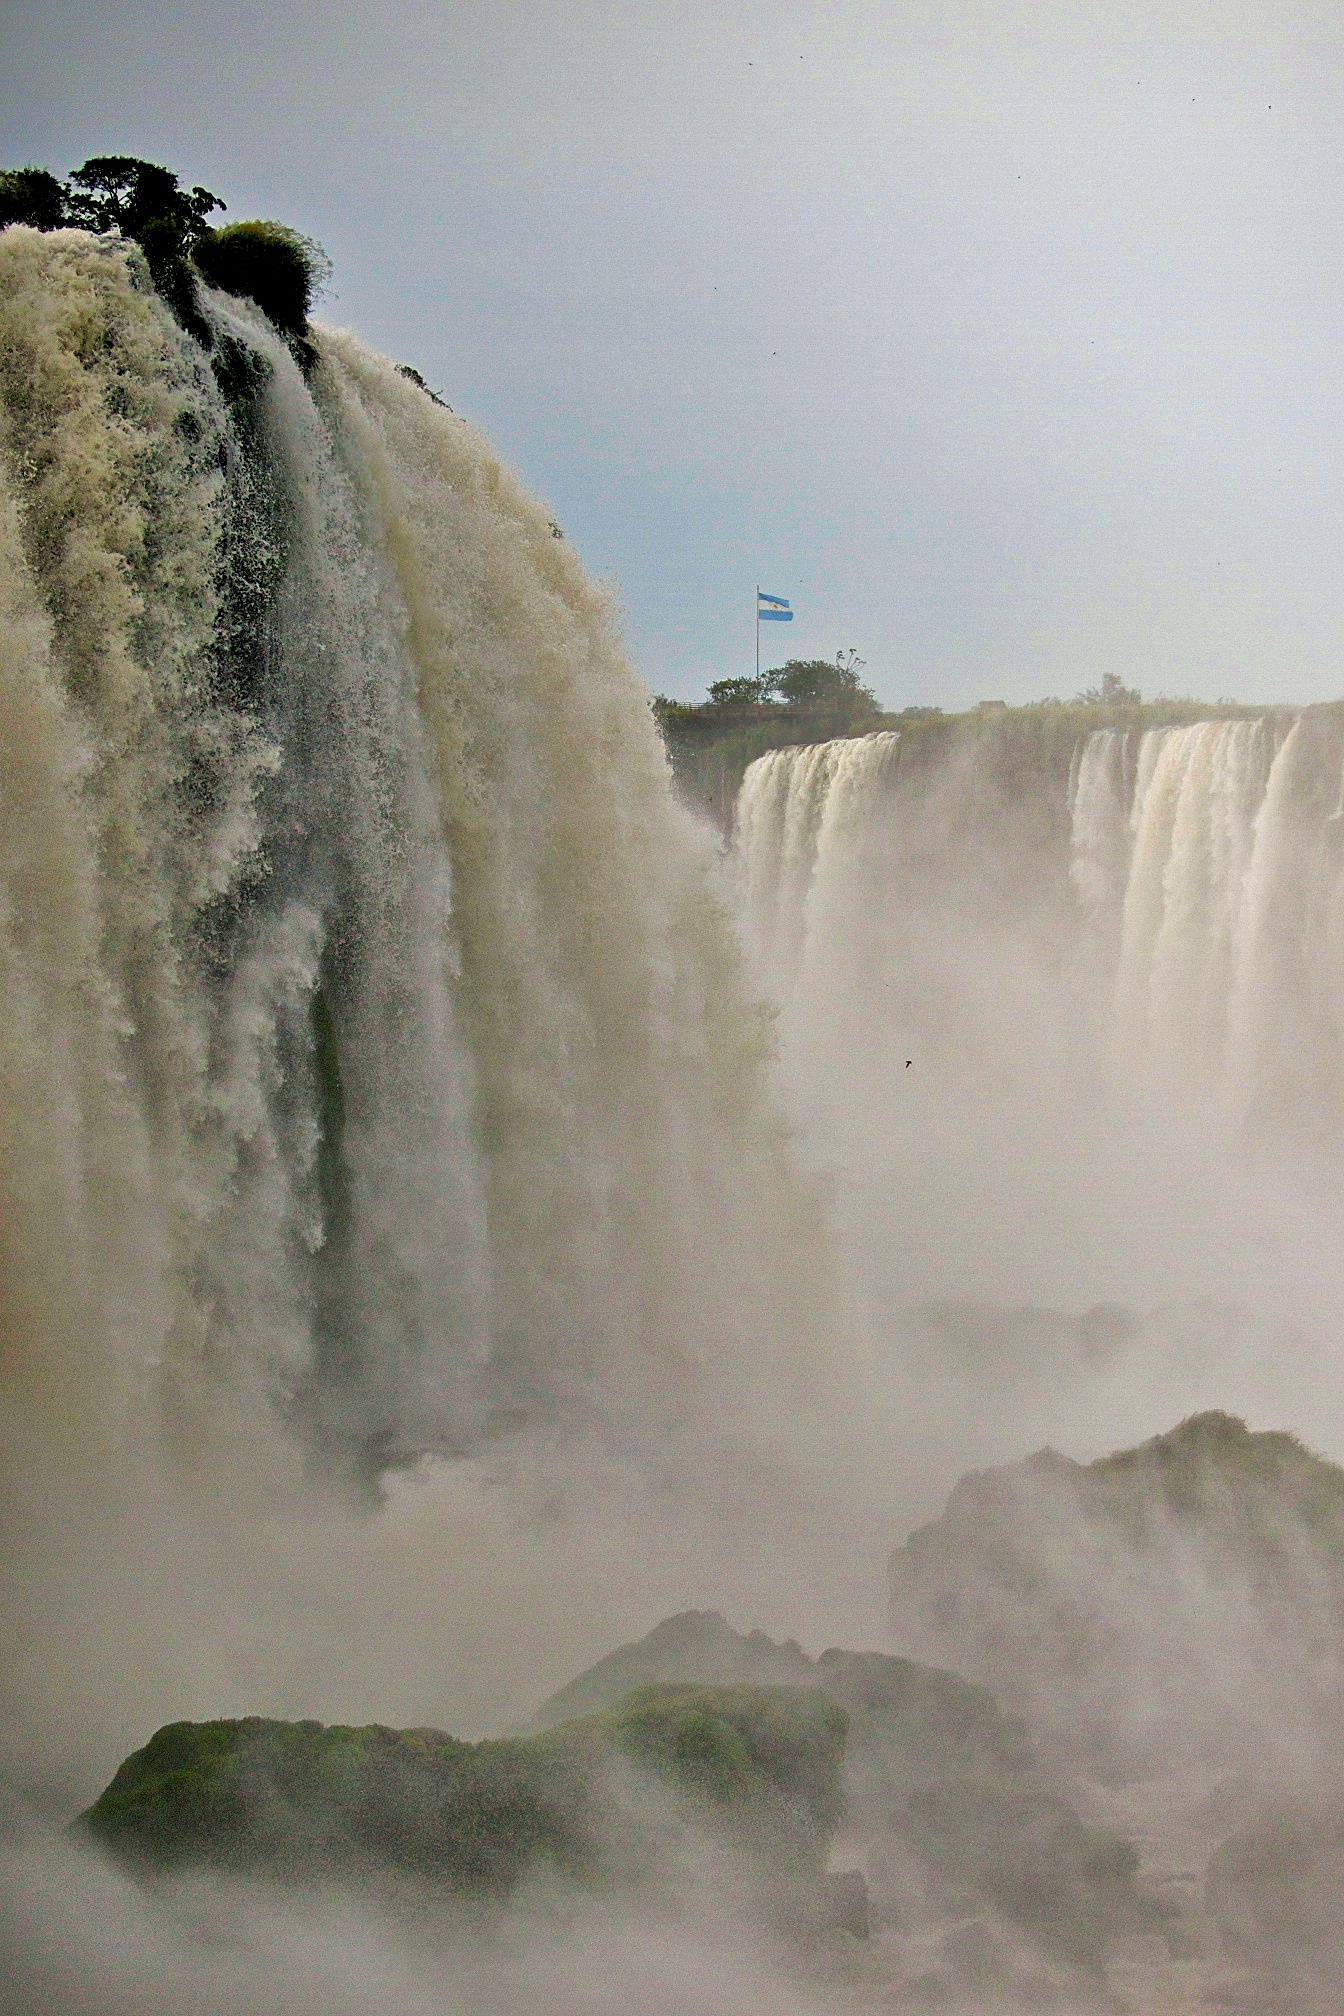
{"points": [[758, 633]]}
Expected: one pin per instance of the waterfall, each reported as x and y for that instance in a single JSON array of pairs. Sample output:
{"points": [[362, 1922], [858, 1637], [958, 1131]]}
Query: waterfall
{"points": [[1227, 902], [1099, 816], [376, 1058], [1286, 1016], [805, 818], [1193, 823], [1162, 904]]}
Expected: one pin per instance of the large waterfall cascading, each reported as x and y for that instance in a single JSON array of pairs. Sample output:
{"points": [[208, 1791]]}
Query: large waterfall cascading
{"points": [[873, 875], [1208, 864], [1193, 820], [1099, 795], [375, 1046]]}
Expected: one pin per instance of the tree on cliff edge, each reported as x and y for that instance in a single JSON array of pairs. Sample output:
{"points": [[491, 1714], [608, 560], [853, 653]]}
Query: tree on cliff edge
{"points": [[32, 196], [118, 192], [816, 686]]}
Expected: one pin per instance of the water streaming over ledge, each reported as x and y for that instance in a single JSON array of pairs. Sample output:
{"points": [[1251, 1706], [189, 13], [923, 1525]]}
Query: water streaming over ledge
{"points": [[376, 1056], [1178, 891], [1229, 912]]}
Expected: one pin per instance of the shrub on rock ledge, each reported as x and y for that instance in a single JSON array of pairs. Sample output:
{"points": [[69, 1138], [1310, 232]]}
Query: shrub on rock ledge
{"points": [[278, 268], [31, 196]]}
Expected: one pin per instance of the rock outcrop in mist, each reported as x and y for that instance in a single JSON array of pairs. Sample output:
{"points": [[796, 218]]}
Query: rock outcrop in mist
{"points": [[947, 1810], [1169, 1621], [671, 1783], [1178, 1602]]}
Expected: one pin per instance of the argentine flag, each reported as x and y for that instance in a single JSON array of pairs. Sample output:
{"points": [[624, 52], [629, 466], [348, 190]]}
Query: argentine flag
{"points": [[772, 609]]}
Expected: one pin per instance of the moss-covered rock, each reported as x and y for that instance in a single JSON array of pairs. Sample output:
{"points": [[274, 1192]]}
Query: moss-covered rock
{"points": [[768, 1757], [923, 1721], [696, 1646], [613, 1798], [300, 1800]]}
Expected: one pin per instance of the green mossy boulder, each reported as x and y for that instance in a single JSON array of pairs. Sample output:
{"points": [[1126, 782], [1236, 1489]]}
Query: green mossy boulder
{"points": [[750, 1777], [298, 1800]]}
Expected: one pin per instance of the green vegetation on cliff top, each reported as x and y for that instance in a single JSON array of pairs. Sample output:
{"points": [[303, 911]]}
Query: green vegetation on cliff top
{"points": [[269, 263], [711, 743]]}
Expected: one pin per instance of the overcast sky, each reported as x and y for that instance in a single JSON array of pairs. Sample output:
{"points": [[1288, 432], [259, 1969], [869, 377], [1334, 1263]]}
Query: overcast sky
{"points": [[1006, 339]]}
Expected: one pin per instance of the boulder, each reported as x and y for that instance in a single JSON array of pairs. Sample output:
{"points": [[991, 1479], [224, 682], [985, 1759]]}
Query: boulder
{"points": [[1173, 1606], [739, 1786], [946, 1807]]}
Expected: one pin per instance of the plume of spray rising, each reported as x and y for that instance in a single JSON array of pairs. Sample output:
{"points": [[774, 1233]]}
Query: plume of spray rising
{"points": [[1063, 1011]]}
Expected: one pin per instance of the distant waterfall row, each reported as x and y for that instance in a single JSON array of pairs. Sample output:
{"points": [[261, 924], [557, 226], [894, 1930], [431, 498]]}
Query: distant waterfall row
{"points": [[1178, 891], [374, 1052]]}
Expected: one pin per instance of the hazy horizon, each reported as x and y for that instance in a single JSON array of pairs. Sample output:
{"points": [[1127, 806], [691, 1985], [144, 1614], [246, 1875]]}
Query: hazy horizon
{"points": [[1000, 340]]}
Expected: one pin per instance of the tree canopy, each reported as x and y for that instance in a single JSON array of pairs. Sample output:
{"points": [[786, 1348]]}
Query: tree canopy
{"points": [[117, 192], [1112, 692], [746, 692], [32, 196], [806, 687], [823, 685]]}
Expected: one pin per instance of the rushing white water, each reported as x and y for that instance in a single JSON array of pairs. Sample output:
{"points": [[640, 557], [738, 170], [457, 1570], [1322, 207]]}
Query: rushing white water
{"points": [[375, 1053], [1229, 909], [1099, 813], [1193, 824], [805, 818]]}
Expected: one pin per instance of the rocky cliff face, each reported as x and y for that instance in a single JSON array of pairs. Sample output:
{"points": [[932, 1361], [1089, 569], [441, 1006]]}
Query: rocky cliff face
{"points": [[1178, 1603]]}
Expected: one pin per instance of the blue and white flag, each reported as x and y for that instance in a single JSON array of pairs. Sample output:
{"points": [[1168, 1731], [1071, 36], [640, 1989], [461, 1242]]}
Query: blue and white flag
{"points": [[772, 609]]}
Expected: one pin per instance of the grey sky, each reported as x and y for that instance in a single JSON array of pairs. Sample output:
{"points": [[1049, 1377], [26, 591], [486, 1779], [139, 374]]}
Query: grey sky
{"points": [[1004, 338]]}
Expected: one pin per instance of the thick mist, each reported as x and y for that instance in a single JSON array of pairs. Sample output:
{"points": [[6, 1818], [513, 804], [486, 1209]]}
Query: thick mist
{"points": [[1059, 1007]]}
